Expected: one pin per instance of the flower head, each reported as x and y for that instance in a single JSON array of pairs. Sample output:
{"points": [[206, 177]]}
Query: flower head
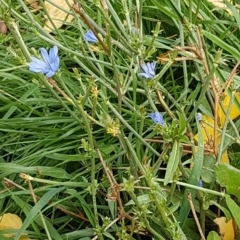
{"points": [[157, 118], [134, 31], [50, 63], [200, 184], [90, 37], [199, 116], [148, 70]]}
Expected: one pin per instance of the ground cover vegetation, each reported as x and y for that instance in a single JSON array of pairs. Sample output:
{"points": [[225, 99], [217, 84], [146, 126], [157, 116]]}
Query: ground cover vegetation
{"points": [[119, 121]]}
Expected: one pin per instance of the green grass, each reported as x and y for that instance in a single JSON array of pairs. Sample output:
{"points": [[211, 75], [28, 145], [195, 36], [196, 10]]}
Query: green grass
{"points": [[86, 165]]}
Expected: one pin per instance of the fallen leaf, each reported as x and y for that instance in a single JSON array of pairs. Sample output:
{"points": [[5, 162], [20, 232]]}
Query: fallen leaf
{"points": [[9, 221], [208, 122], [208, 136], [164, 57], [234, 112], [57, 15], [34, 4], [226, 229]]}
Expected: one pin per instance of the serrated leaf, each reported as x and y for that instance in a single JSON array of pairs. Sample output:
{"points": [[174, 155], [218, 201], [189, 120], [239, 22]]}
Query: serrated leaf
{"points": [[174, 159], [228, 177], [58, 13]]}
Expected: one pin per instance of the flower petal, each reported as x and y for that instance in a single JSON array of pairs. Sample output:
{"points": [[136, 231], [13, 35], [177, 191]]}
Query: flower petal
{"points": [[157, 118], [148, 70], [53, 54], [153, 65], [45, 56], [54, 66], [50, 73], [145, 68], [39, 62], [49, 66], [37, 66], [90, 37], [151, 69], [145, 75]]}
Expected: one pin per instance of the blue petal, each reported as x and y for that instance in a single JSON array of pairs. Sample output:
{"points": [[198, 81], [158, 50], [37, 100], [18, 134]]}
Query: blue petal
{"points": [[50, 73], [145, 75], [153, 65], [151, 68], [157, 118], [53, 54], [49, 66], [200, 183], [145, 68], [39, 62], [37, 66], [54, 66], [45, 56], [90, 37]]}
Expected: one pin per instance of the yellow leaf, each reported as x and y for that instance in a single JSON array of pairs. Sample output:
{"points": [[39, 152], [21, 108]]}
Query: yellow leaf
{"points": [[226, 229], [208, 136], [206, 129], [57, 15], [234, 112], [10, 221]]}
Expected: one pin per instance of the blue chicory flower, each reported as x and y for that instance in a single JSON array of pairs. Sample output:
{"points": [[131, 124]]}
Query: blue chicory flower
{"points": [[50, 63], [134, 31], [90, 37], [200, 183], [148, 70], [157, 118], [199, 116]]}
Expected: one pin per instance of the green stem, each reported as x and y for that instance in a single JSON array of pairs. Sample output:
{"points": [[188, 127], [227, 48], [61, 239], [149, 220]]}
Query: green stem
{"points": [[88, 130], [227, 116], [221, 194], [143, 216], [129, 127]]}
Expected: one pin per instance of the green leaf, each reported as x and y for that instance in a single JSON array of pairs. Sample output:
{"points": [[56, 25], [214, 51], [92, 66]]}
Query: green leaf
{"points": [[213, 236], [164, 9], [207, 173], [220, 43], [142, 199], [234, 209], [182, 124], [26, 208], [223, 209], [45, 171], [228, 177], [193, 178], [174, 159], [37, 208]]}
